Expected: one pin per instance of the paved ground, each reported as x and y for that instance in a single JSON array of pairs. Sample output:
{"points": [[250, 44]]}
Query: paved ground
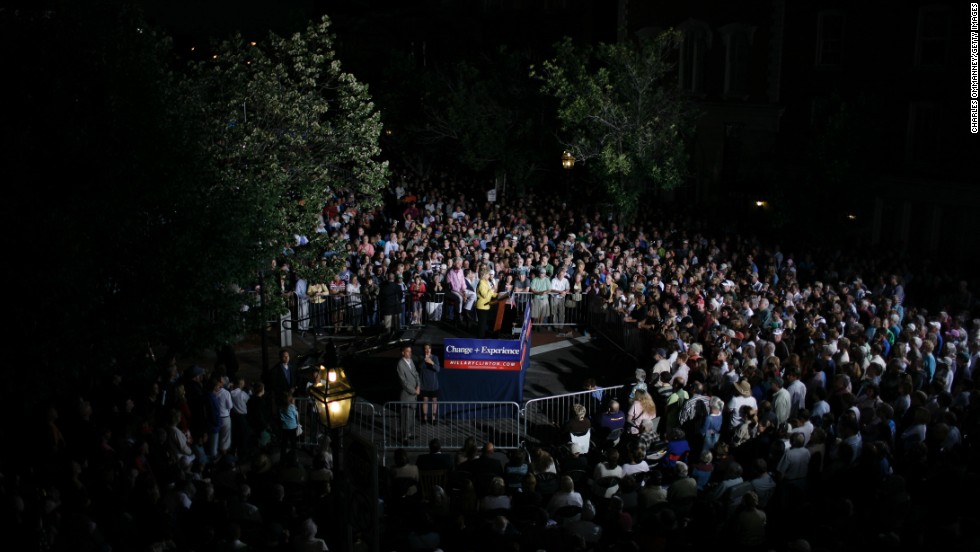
{"points": [[559, 362]]}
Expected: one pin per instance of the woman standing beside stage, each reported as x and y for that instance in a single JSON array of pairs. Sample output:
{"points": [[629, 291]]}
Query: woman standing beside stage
{"points": [[429, 392]]}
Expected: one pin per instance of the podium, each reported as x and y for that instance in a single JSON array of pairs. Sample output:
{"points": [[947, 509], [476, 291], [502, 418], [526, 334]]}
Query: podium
{"points": [[504, 318], [487, 369]]}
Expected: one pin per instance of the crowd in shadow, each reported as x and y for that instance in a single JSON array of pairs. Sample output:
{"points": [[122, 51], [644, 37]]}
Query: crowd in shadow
{"points": [[783, 400]]}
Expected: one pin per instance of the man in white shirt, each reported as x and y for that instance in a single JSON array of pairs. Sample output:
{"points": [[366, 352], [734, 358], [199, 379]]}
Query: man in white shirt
{"points": [[239, 417], [797, 391], [391, 245], [559, 288], [220, 435], [661, 365]]}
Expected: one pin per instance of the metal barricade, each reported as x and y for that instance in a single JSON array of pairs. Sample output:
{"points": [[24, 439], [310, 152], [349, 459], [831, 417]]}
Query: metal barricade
{"points": [[362, 422], [521, 299], [434, 304], [312, 437], [336, 314], [498, 422], [544, 418], [561, 311]]}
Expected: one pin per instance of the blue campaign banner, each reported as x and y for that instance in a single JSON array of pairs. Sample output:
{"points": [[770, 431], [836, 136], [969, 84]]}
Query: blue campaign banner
{"points": [[483, 354], [485, 369]]}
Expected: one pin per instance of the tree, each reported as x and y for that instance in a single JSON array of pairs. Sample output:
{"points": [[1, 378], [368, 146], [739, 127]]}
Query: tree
{"points": [[290, 130], [621, 116], [144, 200]]}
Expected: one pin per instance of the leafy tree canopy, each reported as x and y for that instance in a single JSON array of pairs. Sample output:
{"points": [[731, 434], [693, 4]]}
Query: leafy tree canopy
{"points": [[290, 131], [622, 115], [147, 198]]}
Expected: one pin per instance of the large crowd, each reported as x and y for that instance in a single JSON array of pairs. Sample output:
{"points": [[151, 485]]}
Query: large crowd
{"points": [[779, 401]]}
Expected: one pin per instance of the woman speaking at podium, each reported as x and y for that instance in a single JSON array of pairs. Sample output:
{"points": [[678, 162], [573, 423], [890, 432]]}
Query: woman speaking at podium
{"points": [[484, 295]]}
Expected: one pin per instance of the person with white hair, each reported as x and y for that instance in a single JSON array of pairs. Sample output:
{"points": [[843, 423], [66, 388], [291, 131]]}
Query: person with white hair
{"points": [[306, 539], [566, 496], [683, 488], [640, 384]]}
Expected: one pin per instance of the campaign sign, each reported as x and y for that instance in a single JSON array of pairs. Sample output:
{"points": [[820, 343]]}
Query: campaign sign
{"points": [[483, 354]]}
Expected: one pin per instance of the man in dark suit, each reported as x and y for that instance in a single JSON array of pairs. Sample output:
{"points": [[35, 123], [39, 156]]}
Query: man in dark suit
{"points": [[435, 459], [408, 377], [283, 376], [390, 303]]}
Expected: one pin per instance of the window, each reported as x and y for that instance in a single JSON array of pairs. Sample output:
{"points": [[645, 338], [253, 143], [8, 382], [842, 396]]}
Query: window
{"points": [[932, 36], [695, 44], [924, 140], [738, 41], [830, 38]]}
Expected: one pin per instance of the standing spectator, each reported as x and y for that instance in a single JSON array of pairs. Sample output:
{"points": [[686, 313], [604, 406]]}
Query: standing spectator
{"points": [[436, 298], [540, 287], [240, 432], [456, 279], [283, 377], [781, 400], [318, 302], [300, 292], [338, 298], [288, 424], [743, 397], [390, 303], [640, 384], [219, 442], [369, 300], [797, 391], [559, 289], [355, 305], [416, 292], [711, 428], [795, 463], [259, 417]]}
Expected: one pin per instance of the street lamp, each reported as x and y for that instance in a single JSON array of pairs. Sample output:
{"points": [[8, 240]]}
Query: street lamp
{"points": [[333, 397], [567, 160]]}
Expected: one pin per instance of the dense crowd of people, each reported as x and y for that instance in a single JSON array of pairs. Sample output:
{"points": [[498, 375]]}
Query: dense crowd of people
{"points": [[778, 401], [811, 376]]}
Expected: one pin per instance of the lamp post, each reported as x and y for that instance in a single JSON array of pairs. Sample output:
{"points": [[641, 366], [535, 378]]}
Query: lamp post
{"points": [[333, 398]]}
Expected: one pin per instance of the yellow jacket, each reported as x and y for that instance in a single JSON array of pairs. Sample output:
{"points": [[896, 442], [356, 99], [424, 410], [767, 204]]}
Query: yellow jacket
{"points": [[484, 294]]}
